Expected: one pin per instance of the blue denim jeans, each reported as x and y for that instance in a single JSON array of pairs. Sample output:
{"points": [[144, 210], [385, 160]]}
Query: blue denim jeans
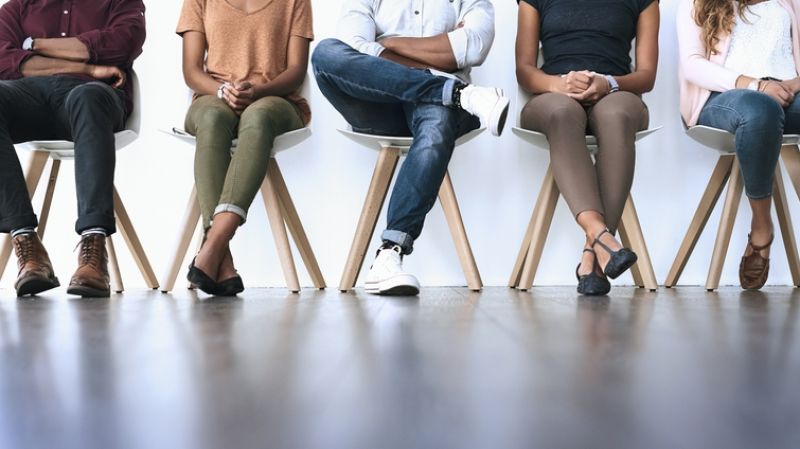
{"points": [[378, 96], [758, 122]]}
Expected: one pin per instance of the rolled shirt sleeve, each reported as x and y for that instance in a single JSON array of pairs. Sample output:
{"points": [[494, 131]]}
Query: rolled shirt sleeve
{"points": [[11, 38], [120, 42], [471, 43], [357, 27]]}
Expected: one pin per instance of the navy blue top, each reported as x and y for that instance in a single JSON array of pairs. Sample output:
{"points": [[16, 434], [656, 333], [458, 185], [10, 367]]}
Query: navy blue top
{"points": [[591, 35]]}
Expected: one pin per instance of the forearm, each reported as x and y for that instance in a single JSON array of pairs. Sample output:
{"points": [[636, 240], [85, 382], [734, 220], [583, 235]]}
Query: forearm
{"points": [[44, 66], [70, 49], [201, 82], [435, 52], [638, 82], [284, 84], [408, 62], [534, 80]]}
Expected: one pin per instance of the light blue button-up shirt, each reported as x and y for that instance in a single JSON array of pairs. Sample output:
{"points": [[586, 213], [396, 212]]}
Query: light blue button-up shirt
{"points": [[365, 23]]}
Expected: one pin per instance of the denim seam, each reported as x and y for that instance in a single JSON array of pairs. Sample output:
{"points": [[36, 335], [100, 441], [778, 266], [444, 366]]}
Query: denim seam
{"points": [[351, 83]]}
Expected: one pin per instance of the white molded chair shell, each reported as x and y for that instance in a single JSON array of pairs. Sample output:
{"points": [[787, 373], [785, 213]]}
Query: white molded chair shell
{"points": [[65, 149], [723, 141], [376, 142], [539, 140]]}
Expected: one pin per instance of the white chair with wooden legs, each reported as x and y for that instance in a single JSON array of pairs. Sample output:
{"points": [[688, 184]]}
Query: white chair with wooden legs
{"points": [[530, 253], [281, 213], [727, 171], [390, 149], [58, 151]]}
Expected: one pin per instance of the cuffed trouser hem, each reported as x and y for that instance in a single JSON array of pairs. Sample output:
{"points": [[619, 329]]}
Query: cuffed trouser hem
{"points": [[233, 209], [405, 241], [9, 224], [96, 220], [760, 196]]}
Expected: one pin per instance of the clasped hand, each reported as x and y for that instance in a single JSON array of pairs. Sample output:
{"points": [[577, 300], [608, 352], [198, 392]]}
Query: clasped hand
{"points": [[584, 86], [239, 95]]}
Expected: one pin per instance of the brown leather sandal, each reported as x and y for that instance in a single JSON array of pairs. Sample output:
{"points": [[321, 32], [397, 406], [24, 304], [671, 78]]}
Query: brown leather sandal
{"points": [[754, 269]]}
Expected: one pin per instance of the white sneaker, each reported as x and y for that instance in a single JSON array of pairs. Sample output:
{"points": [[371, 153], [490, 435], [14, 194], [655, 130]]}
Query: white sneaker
{"points": [[488, 104], [386, 276]]}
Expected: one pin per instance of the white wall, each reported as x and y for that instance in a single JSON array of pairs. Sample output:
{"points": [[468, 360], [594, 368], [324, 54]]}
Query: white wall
{"points": [[496, 179]]}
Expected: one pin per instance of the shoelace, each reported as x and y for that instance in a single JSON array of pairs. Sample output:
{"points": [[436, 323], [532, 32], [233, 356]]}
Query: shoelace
{"points": [[25, 249], [90, 251]]}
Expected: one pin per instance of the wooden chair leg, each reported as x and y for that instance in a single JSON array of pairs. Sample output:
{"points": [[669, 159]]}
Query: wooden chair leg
{"points": [[732, 198], [516, 272], [710, 197], [447, 197], [33, 174], [376, 195], [116, 277], [632, 230], [294, 224], [134, 244], [188, 226], [785, 223], [48, 198], [278, 225], [543, 217], [791, 159], [636, 273]]}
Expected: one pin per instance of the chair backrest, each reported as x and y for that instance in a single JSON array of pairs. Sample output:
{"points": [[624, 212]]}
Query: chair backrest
{"points": [[135, 120]]}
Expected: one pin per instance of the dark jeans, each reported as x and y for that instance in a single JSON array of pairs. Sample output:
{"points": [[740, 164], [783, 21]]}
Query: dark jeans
{"points": [[377, 96], [61, 108], [758, 122]]}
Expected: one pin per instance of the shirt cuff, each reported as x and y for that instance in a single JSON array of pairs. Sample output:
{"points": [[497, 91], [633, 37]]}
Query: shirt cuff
{"points": [[371, 48], [88, 39], [459, 41]]}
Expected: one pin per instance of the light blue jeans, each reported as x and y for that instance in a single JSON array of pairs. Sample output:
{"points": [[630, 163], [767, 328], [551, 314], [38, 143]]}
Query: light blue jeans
{"points": [[758, 122]]}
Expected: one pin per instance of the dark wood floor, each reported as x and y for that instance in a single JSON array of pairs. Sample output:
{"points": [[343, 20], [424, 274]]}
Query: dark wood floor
{"points": [[676, 369]]}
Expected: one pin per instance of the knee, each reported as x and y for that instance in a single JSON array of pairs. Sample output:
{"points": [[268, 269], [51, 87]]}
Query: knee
{"points": [[216, 118], [761, 112], [327, 53], [94, 97], [264, 115], [435, 128]]}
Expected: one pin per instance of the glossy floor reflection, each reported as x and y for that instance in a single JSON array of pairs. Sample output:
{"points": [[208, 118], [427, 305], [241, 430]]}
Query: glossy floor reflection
{"points": [[451, 369]]}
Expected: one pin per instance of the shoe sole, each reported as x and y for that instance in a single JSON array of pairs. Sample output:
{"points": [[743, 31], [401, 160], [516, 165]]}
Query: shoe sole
{"points": [[497, 119], [396, 286], [34, 286], [88, 292]]}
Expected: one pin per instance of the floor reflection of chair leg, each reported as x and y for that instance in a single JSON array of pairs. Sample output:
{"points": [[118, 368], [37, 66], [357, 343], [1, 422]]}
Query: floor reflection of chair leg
{"points": [[447, 197], [376, 195], [187, 227], [709, 199], [278, 225], [543, 212], [33, 174], [113, 262], [726, 223], [295, 225], [134, 244], [785, 223]]}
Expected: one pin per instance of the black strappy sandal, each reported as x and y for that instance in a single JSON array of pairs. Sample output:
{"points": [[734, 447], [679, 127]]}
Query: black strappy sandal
{"points": [[592, 284], [620, 260]]}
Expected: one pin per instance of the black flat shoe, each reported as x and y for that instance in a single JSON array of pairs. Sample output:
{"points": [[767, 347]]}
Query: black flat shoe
{"points": [[232, 286], [203, 281], [619, 262], [592, 284]]}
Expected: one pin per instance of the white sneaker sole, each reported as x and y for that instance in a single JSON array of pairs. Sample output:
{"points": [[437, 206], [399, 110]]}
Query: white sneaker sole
{"points": [[401, 285], [497, 118]]}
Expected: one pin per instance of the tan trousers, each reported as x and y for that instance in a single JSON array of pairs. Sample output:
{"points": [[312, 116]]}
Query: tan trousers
{"points": [[603, 185]]}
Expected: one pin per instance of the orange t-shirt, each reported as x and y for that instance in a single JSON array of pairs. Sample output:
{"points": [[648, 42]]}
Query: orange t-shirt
{"points": [[249, 47]]}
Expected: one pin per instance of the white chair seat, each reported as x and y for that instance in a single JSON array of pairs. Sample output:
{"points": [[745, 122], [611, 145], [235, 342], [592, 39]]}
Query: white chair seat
{"points": [[538, 139], [723, 141], [402, 143], [282, 142], [65, 149]]}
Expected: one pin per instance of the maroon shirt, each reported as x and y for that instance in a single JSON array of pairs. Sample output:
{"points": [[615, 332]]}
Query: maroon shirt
{"points": [[112, 30]]}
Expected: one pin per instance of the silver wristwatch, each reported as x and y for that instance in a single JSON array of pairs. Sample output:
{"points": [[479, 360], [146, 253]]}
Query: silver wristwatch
{"points": [[221, 91], [27, 44], [612, 83]]}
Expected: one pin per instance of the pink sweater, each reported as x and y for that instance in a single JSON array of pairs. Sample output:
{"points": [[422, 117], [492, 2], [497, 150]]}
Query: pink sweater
{"points": [[700, 73]]}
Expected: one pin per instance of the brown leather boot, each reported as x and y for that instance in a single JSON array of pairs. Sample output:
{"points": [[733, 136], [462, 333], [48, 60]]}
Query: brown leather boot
{"points": [[91, 278], [754, 269], [35, 270]]}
